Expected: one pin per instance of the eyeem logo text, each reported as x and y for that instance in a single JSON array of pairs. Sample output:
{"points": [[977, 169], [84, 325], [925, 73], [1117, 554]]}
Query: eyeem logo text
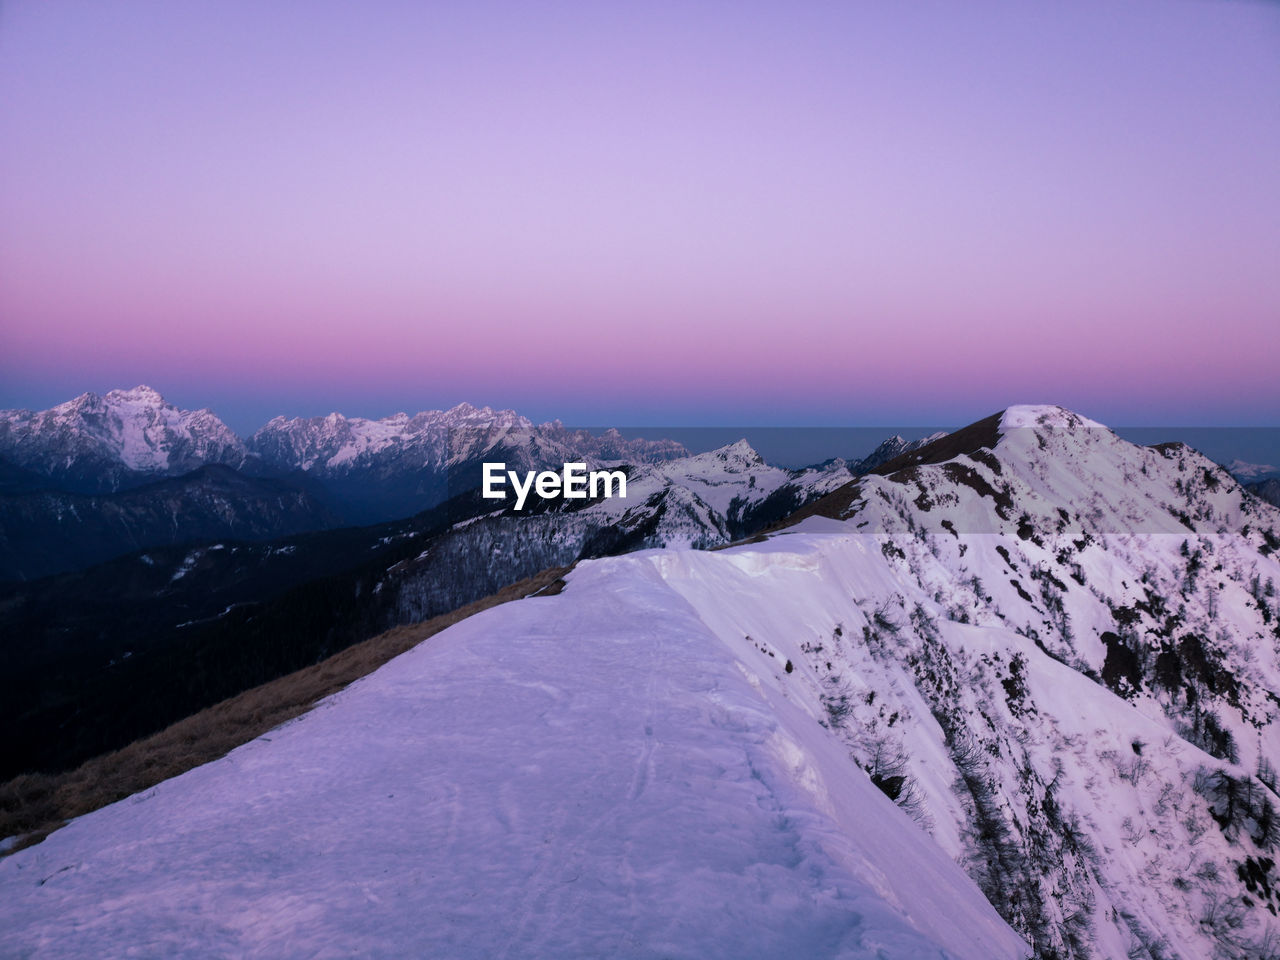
{"points": [[572, 483]]}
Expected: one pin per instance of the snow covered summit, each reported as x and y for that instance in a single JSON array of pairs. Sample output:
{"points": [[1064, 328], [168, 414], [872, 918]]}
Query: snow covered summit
{"points": [[97, 443]]}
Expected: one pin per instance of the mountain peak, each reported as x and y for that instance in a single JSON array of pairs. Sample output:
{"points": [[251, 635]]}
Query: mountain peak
{"points": [[1049, 416], [466, 409], [740, 450], [139, 394], [95, 444]]}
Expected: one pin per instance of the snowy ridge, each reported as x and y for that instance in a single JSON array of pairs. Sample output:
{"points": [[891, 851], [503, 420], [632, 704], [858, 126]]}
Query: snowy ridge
{"points": [[1089, 630], [594, 774], [1052, 470]]}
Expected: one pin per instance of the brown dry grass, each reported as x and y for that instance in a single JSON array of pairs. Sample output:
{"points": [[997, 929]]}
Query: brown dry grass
{"points": [[34, 805]]}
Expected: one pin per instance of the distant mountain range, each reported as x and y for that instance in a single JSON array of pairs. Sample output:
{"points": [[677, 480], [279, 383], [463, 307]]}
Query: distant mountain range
{"points": [[98, 477], [374, 469], [1252, 472]]}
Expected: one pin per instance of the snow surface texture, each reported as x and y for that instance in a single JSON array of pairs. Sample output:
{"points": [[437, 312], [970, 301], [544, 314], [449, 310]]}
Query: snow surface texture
{"points": [[1059, 656], [589, 775]]}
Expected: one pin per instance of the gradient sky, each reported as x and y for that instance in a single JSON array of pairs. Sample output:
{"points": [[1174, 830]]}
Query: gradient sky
{"points": [[821, 213]]}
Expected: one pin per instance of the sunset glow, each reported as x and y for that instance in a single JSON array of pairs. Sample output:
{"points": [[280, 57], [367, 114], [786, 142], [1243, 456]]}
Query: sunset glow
{"points": [[811, 213]]}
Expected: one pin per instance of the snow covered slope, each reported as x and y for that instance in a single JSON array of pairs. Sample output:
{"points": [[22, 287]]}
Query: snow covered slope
{"points": [[588, 775], [1060, 652], [95, 444]]}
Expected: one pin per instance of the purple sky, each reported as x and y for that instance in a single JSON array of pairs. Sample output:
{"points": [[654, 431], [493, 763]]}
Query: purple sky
{"points": [[815, 213]]}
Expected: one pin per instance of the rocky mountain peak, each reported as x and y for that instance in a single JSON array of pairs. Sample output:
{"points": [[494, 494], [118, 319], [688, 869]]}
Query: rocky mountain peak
{"points": [[139, 394]]}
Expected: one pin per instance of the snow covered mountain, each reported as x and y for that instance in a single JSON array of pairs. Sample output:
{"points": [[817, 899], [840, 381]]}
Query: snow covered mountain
{"points": [[96, 444], [436, 439], [1059, 650], [1056, 649], [384, 468], [1058, 653]]}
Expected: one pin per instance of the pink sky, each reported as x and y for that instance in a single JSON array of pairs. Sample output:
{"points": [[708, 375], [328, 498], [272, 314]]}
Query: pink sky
{"points": [[814, 213]]}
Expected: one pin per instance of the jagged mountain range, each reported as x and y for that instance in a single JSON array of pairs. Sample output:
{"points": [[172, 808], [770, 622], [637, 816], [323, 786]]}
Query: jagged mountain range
{"points": [[100, 444], [1056, 652], [360, 470], [98, 477]]}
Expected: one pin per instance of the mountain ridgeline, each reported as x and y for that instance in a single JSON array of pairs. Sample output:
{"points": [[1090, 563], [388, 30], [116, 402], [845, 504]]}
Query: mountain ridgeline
{"points": [[1054, 652]]}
